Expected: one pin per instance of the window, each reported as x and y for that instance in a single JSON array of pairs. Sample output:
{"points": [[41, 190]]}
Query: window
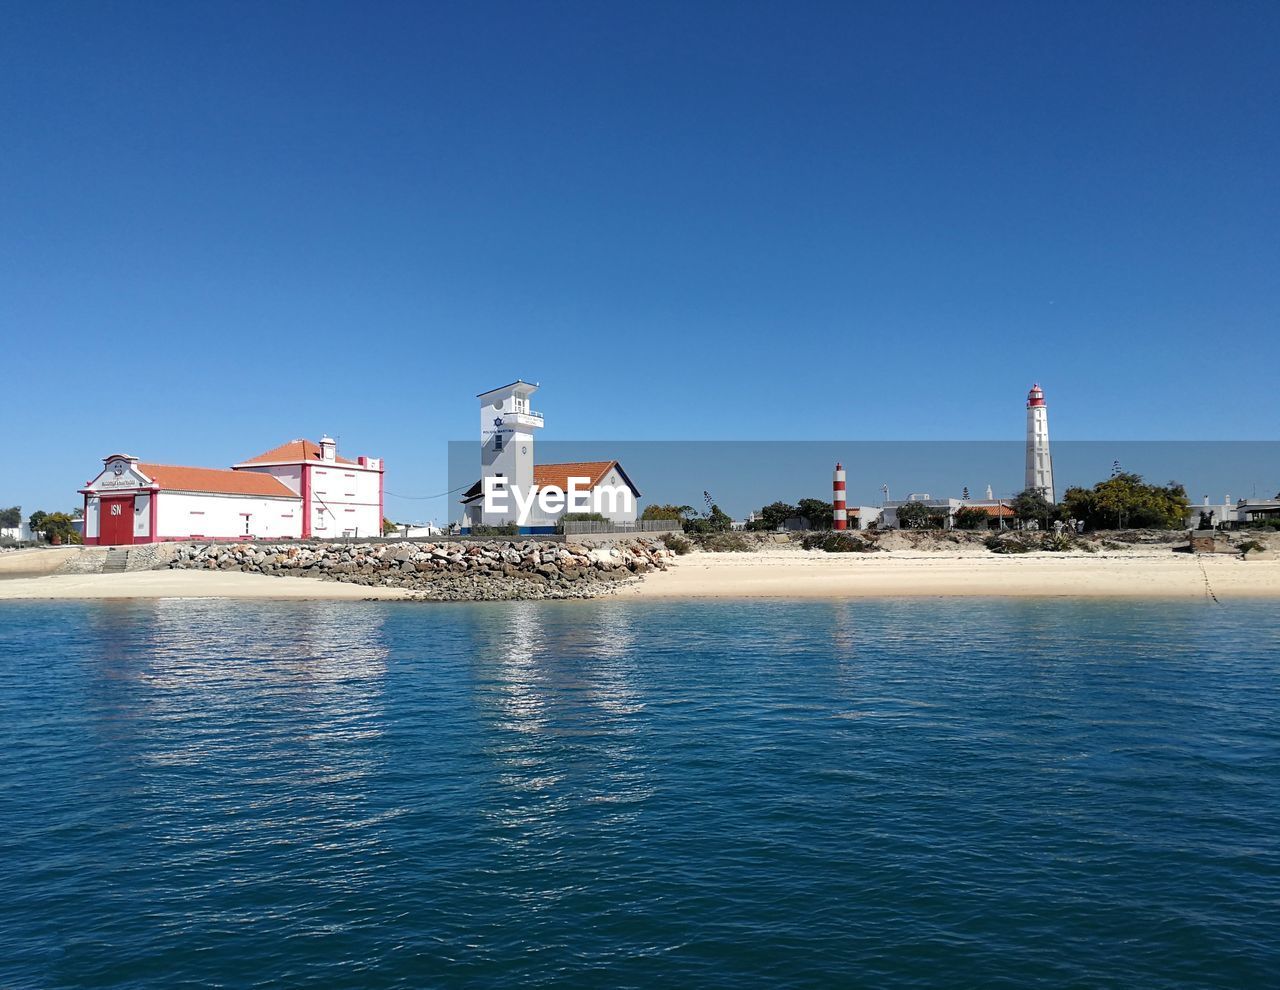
{"points": [[497, 441]]}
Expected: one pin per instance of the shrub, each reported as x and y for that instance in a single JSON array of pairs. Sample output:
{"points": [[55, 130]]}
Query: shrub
{"points": [[676, 543], [579, 517], [715, 520], [1057, 542], [971, 517], [1011, 545], [837, 543], [506, 529], [724, 542], [1033, 542], [1249, 546]]}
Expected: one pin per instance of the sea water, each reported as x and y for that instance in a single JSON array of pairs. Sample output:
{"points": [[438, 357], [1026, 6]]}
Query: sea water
{"points": [[616, 794]]}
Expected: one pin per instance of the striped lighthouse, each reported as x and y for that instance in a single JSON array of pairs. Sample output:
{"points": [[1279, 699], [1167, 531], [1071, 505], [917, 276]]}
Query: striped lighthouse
{"points": [[840, 518]]}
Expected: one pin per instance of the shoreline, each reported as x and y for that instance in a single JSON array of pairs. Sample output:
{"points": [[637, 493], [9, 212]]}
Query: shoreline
{"points": [[774, 573], [800, 575]]}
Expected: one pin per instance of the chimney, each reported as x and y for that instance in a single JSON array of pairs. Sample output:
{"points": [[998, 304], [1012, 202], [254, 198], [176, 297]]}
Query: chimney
{"points": [[328, 448]]}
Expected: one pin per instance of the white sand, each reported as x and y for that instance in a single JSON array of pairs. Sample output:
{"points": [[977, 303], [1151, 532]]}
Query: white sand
{"points": [[1154, 573], [184, 584], [36, 561], [775, 572]]}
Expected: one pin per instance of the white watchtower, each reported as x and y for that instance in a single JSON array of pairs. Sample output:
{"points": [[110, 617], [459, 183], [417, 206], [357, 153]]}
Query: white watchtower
{"points": [[506, 434], [1039, 461]]}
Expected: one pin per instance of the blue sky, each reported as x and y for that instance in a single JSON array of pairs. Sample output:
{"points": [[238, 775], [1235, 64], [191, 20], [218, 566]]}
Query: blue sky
{"points": [[223, 226]]}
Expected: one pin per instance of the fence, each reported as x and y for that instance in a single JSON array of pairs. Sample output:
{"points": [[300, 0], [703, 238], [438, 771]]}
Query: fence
{"points": [[577, 528]]}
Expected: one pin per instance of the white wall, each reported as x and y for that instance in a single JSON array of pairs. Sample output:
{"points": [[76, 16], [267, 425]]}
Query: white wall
{"points": [[289, 474], [625, 512], [141, 517], [92, 505], [344, 501], [183, 514], [515, 460]]}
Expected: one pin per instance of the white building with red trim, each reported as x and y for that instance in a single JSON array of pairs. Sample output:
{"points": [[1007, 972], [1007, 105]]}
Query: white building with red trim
{"points": [[507, 428], [299, 490]]}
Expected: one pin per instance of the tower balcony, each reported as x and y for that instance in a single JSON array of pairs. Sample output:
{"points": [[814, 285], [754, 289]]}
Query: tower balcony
{"points": [[527, 418]]}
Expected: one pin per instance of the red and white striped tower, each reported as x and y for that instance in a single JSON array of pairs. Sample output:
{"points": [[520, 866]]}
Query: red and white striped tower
{"points": [[839, 516]]}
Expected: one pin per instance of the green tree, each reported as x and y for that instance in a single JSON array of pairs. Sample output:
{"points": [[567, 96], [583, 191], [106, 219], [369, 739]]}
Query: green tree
{"points": [[677, 512], [712, 521], [776, 513], [917, 515], [1031, 506], [819, 513], [1125, 501], [55, 526], [11, 517], [388, 527], [971, 517]]}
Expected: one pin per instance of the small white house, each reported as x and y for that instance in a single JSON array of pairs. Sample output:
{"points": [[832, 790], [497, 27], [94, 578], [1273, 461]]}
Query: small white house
{"points": [[998, 509], [21, 532], [507, 425]]}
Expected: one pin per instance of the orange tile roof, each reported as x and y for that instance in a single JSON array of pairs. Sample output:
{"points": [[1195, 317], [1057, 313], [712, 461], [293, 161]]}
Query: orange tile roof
{"points": [[293, 452], [221, 482], [991, 510], [546, 475]]}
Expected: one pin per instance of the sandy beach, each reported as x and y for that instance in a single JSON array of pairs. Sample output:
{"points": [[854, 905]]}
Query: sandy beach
{"points": [[799, 574], [773, 572], [28, 574]]}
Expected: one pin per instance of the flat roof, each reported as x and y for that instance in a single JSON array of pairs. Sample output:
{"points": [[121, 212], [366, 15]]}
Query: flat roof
{"points": [[528, 386]]}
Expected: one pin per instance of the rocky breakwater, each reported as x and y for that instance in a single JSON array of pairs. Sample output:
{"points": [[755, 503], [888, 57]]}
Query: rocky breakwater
{"points": [[493, 570]]}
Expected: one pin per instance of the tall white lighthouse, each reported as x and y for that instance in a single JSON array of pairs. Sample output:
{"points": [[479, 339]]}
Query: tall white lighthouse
{"points": [[1039, 461], [506, 435]]}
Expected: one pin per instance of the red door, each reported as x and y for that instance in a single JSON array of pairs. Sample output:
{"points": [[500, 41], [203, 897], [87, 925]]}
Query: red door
{"points": [[115, 521]]}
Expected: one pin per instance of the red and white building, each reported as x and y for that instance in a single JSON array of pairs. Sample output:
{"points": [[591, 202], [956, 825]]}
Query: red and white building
{"points": [[299, 490]]}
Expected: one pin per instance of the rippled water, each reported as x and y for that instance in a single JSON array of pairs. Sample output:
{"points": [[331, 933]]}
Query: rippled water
{"points": [[921, 793]]}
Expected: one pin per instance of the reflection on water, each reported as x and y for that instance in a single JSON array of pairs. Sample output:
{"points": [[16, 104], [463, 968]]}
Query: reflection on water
{"points": [[264, 728], [355, 795], [556, 689]]}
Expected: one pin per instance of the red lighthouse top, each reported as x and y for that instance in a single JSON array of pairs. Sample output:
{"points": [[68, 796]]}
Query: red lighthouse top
{"points": [[1035, 397]]}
